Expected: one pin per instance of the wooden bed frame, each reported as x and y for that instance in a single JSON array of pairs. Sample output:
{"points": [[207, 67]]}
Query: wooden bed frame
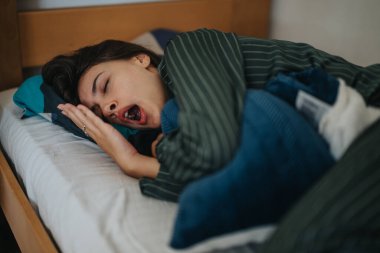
{"points": [[30, 38]]}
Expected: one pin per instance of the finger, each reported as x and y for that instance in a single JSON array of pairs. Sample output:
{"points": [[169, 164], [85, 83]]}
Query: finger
{"points": [[90, 115], [94, 121], [78, 118], [69, 111], [87, 118], [82, 116]]}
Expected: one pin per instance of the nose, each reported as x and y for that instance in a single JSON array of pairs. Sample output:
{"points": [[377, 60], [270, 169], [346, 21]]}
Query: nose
{"points": [[110, 108]]}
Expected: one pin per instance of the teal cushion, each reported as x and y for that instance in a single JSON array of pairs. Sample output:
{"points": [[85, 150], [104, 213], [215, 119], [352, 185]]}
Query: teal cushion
{"points": [[29, 96]]}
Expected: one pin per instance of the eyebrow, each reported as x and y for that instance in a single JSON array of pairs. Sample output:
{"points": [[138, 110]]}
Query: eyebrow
{"points": [[95, 83]]}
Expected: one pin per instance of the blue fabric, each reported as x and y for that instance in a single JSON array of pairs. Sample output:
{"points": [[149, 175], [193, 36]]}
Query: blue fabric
{"points": [[279, 158], [314, 81], [29, 96], [51, 101], [169, 116], [163, 36]]}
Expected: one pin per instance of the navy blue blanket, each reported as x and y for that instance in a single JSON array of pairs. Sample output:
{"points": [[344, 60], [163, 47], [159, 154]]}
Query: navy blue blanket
{"points": [[280, 156]]}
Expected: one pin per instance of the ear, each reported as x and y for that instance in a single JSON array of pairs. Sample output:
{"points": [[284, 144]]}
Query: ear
{"points": [[143, 60]]}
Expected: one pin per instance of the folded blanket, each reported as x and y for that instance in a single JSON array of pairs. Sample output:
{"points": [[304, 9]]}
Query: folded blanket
{"points": [[280, 155]]}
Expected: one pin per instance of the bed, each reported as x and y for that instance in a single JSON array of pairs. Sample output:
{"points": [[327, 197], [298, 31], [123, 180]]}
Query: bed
{"points": [[61, 193]]}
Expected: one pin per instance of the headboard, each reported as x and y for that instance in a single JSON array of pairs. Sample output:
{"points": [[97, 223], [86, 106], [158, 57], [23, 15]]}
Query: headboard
{"points": [[30, 38]]}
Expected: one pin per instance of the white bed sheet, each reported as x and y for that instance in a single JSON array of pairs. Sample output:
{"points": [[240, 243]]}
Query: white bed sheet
{"points": [[84, 199]]}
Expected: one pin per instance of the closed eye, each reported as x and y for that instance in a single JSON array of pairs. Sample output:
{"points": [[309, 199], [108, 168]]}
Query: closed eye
{"points": [[106, 86]]}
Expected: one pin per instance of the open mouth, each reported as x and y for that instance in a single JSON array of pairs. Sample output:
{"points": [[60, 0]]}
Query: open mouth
{"points": [[133, 113]]}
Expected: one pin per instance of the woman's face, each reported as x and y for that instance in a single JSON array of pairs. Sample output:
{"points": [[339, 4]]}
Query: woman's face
{"points": [[128, 92]]}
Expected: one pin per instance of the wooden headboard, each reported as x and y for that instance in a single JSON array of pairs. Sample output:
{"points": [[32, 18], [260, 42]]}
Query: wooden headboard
{"points": [[30, 38]]}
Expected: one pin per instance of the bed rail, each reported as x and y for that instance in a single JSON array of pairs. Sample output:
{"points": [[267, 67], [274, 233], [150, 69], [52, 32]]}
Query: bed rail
{"points": [[26, 226]]}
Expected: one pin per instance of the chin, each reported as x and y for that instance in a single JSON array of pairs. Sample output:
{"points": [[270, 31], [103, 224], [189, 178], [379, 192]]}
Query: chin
{"points": [[154, 122]]}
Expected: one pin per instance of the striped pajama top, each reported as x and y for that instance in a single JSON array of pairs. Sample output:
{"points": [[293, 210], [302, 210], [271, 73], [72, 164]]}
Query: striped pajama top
{"points": [[208, 72]]}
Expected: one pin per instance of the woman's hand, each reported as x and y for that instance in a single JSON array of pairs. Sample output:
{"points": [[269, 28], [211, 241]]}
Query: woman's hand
{"points": [[111, 141], [154, 144]]}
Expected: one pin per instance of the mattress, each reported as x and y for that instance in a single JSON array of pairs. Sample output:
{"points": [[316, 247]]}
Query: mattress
{"points": [[85, 201]]}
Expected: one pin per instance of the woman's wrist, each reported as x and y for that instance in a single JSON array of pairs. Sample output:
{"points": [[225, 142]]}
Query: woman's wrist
{"points": [[138, 165]]}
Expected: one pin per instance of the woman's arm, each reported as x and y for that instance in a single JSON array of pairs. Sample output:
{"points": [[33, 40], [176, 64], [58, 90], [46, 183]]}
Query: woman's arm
{"points": [[112, 142], [204, 70]]}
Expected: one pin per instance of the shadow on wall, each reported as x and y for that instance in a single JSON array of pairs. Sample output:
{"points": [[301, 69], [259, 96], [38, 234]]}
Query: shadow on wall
{"points": [[348, 28]]}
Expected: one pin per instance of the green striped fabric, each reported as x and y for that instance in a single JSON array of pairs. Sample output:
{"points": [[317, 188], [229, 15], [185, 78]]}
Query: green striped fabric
{"points": [[208, 73], [263, 59]]}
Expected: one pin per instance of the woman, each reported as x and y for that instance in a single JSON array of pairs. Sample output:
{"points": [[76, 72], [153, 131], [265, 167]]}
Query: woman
{"points": [[207, 73]]}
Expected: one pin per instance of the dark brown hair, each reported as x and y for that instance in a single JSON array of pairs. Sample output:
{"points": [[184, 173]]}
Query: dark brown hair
{"points": [[64, 71]]}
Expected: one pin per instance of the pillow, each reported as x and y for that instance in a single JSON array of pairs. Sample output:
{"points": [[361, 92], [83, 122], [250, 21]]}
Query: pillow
{"points": [[155, 40], [280, 156], [29, 96], [37, 98]]}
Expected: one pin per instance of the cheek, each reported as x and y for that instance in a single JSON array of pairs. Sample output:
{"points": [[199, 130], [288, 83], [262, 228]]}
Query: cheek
{"points": [[124, 95], [123, 86]]}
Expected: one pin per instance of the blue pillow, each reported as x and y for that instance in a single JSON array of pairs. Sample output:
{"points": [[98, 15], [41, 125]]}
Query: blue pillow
{"points": [[280, 156]]}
